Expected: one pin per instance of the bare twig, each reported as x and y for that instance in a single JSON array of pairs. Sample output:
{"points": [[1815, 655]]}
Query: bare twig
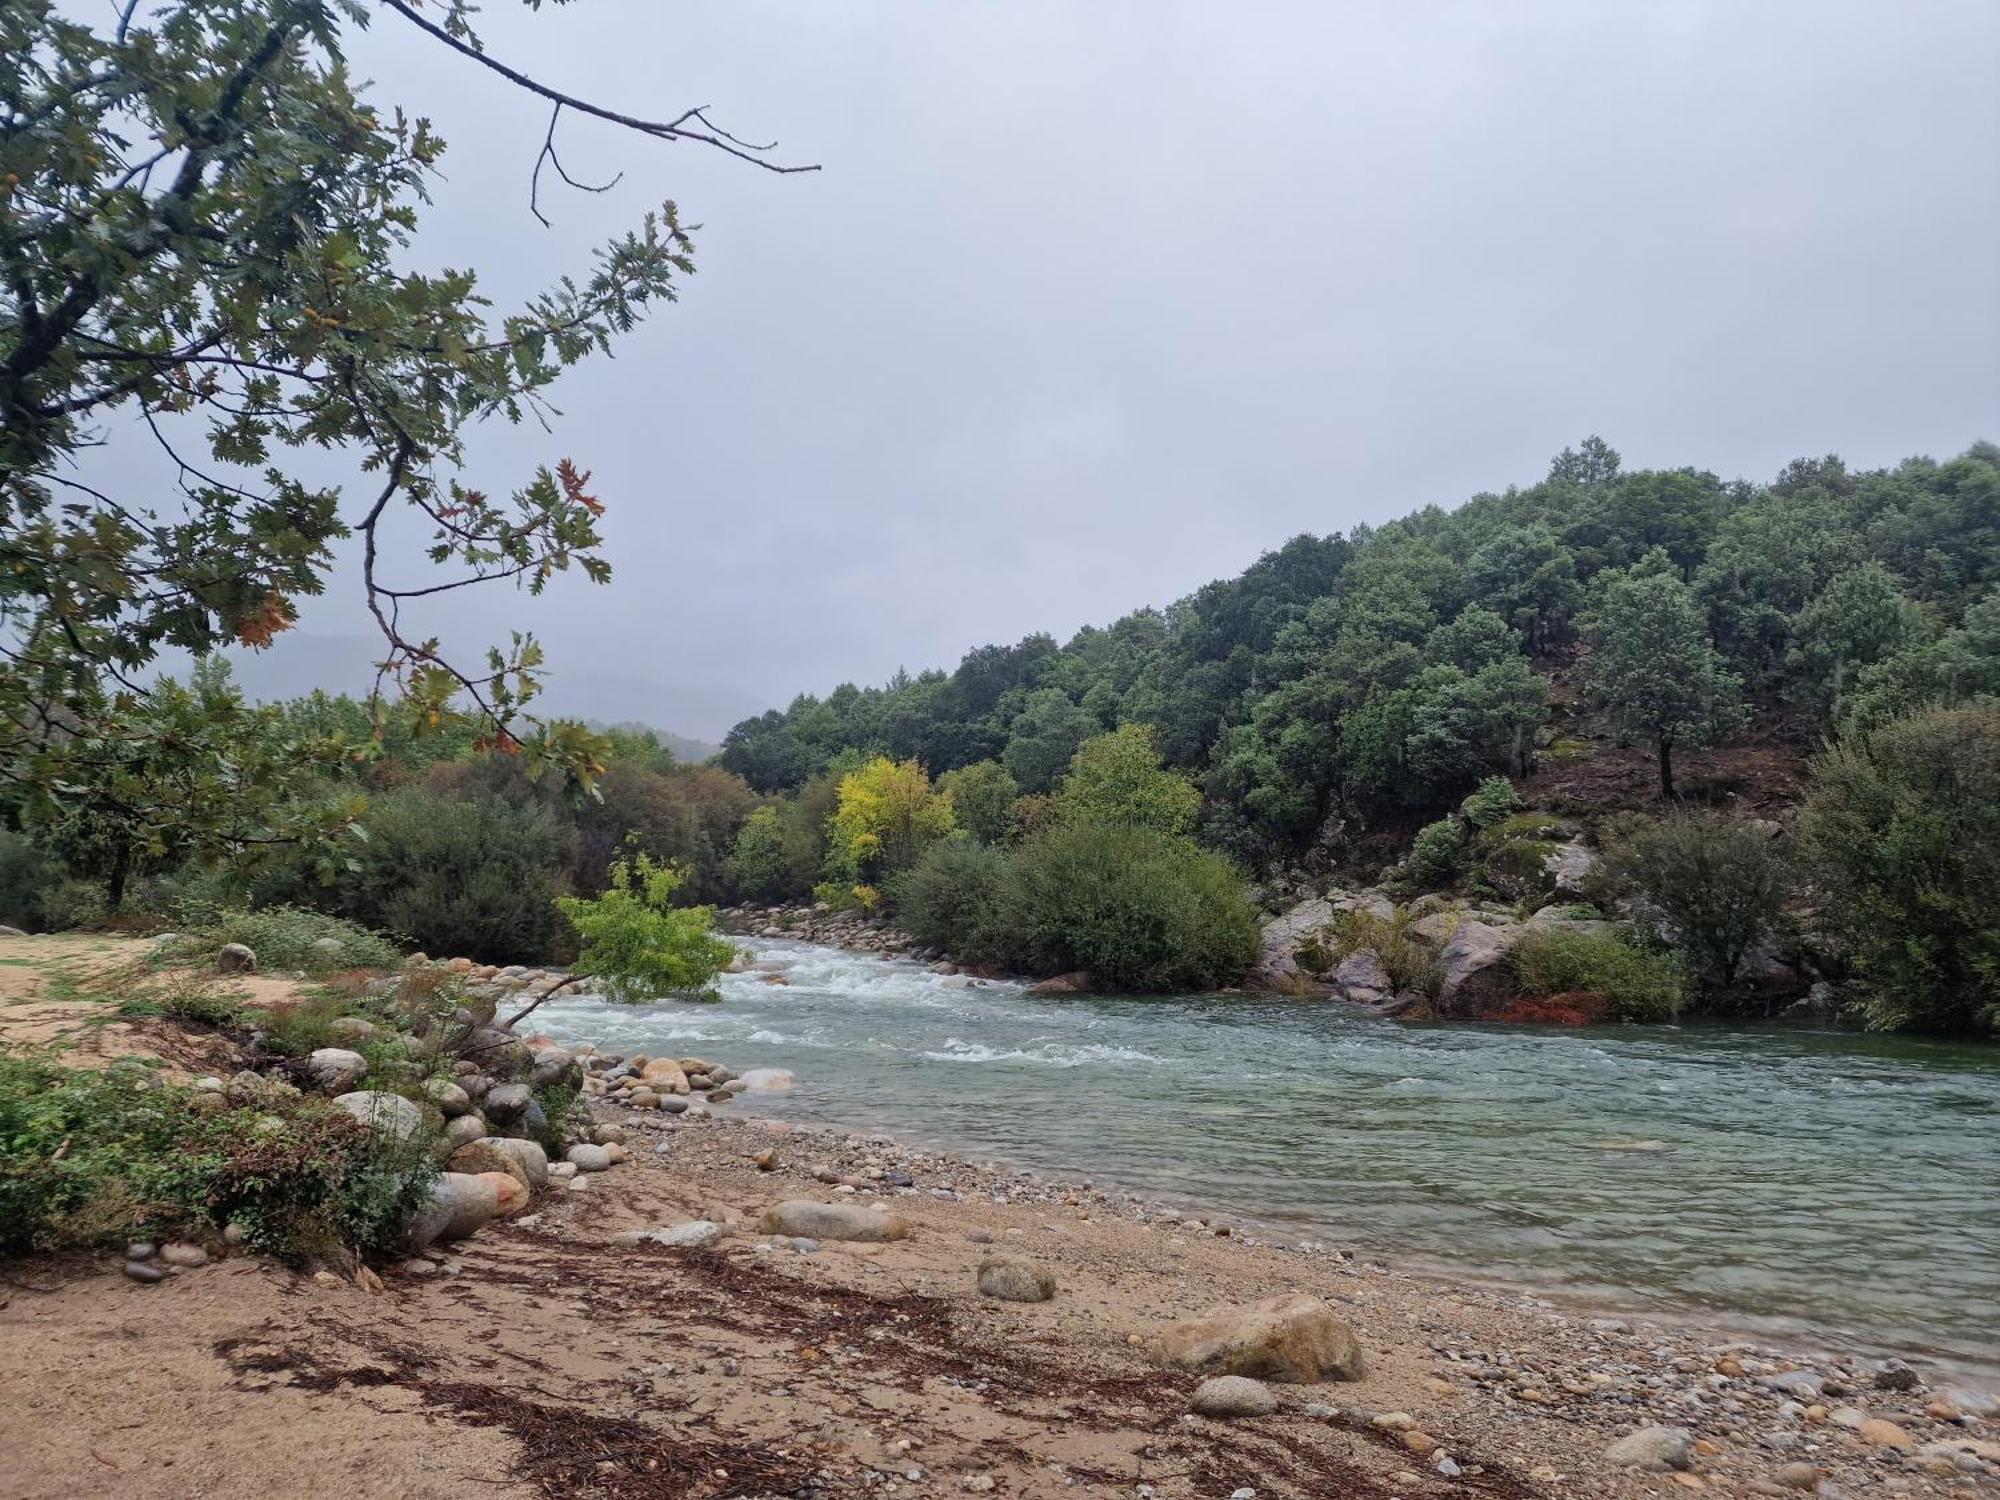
{"points": [[677, 129]]}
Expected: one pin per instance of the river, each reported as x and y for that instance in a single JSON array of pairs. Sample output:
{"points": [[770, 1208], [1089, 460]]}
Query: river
{"points": [[1841, 1186]]}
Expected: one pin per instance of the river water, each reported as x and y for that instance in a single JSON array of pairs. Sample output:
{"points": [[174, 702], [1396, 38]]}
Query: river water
{"points": [[1842, 1186]]}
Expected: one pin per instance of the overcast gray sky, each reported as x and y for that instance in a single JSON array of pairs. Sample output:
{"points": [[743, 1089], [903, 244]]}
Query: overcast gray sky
{"points": [[1095, 302]]}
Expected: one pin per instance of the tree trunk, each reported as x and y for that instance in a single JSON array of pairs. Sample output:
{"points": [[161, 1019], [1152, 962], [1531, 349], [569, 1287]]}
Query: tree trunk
{"points": [[1666, 767], [114, 883]]}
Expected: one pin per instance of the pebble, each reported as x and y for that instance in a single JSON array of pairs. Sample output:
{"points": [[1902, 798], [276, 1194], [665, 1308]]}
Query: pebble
{"points": [[182, 1253], [1653, 1448], [1797, 1477], [141, 1250], [141, 1272], [1230, 1396], [1878, 1433]]}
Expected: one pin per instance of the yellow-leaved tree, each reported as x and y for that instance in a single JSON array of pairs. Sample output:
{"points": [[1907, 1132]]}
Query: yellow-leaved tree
{"points": [[887, 815]]}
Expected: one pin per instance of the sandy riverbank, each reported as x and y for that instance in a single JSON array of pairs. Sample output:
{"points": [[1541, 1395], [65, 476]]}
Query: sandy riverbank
{"points": [[542, 1359]]}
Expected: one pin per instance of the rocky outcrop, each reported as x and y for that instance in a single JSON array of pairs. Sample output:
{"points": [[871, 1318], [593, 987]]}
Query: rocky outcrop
{"points": [[1277, 966], [1570, 867], [1362, 978], [1473, 967], [1292, 1337]]}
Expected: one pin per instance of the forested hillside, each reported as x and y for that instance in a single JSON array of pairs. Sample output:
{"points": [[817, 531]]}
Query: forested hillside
{"points": [[1346, 682], [1625, 671]]}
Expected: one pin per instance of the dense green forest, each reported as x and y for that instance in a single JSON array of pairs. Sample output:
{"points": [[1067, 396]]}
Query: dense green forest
{"points": [[1341, 681]]}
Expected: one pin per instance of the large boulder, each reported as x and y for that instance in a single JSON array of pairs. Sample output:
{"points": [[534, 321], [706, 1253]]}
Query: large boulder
{"points": [[480, 1159], [529, 1155], [1293, 1337], [1277, 966], [1362, 978], [451, 1100], [462, 1130], [1229, 1396], [1076, 982], [385, 1114], [1570, 867], [457, 1205], [555, 1067], [236, 958], [586, 1157], [336, 1069], [767, 1080], [498, 1052], [509, 1192], [1656, 1449], [1473, 967], [507, 1102], [802, 1218]]}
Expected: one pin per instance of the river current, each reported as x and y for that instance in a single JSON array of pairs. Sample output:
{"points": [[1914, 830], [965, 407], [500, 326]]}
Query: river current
{"points": [[1842, 1186]]}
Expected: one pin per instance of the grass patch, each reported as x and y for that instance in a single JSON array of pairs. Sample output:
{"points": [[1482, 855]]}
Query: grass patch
{"points": [[1638, 984], [1412, 963], [287, 937]]}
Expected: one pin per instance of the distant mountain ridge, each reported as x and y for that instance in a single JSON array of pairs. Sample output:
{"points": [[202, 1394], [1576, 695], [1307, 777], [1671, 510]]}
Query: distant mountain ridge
{"points": [[302, 661]]}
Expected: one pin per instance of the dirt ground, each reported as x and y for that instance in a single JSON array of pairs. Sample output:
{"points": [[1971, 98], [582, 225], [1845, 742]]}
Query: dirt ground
{"points": [[542, 1360], [64, 989]]}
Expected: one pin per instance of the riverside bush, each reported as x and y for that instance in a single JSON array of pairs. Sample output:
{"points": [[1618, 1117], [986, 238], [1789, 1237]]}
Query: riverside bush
{"points": [[1718, 884], [91, 1158], [1639, 985], [453, 875], [1493, 799], [1436, 855], [1140, 909], [1901, 830], [957, 898]]}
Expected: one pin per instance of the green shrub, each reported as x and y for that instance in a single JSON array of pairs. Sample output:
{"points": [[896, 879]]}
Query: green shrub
{"points": [[72, 903], [199, 1004], [454, 876], [1718, 884], [1492, 800], [566, 1118], [1140, 909], [289, 937], [1640, 985], [956, 898], [317, 1183], [1901, 830], [92, 1158], [1436, 856]]}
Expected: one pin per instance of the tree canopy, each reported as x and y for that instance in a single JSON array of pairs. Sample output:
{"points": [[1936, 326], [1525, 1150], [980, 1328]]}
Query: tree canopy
{"points": [[205, 237]]}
